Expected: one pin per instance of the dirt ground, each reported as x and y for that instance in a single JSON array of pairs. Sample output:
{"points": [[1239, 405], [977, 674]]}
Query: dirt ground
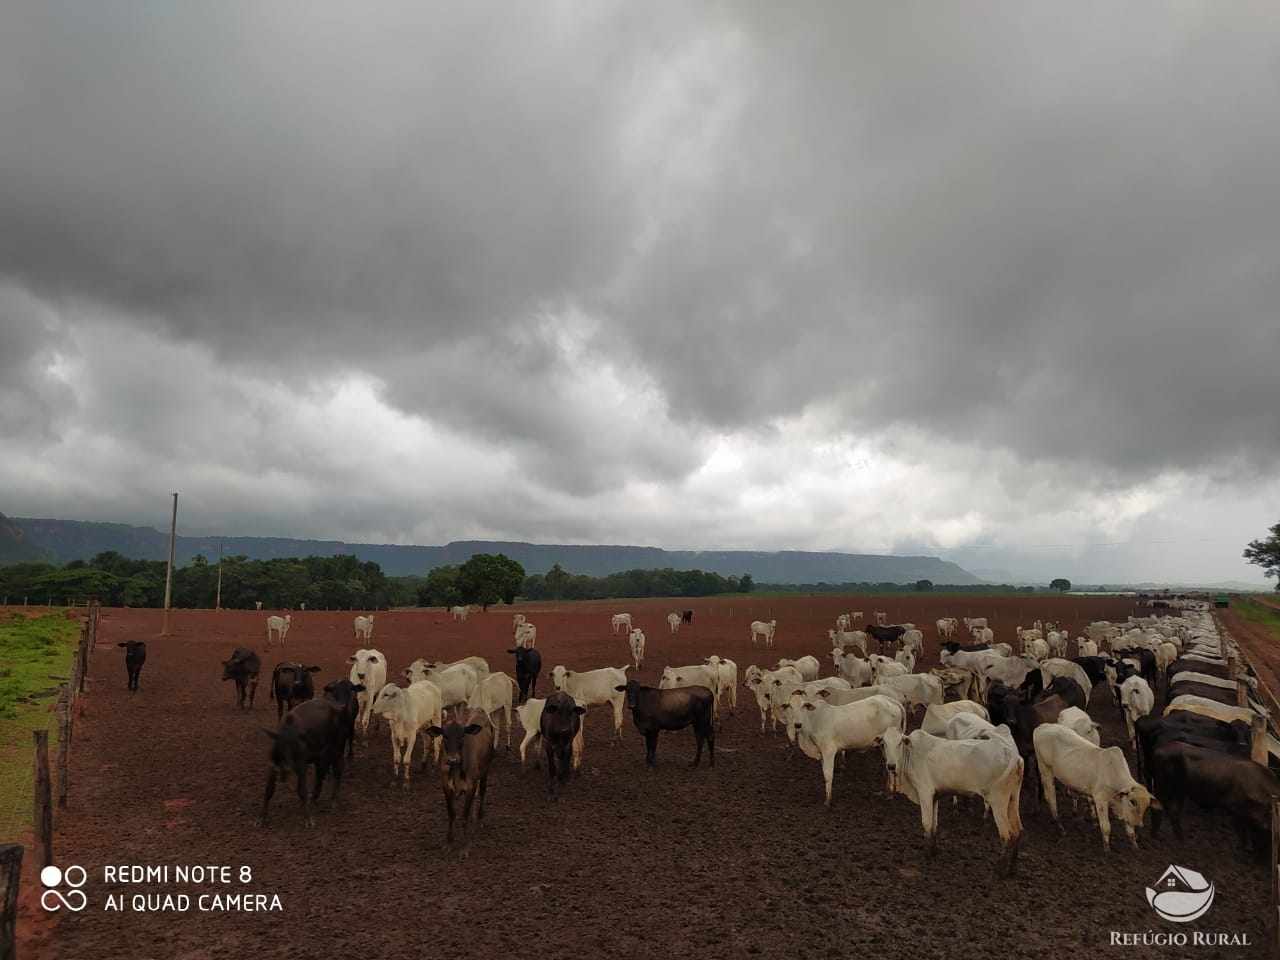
{"points": [[739, 860]]}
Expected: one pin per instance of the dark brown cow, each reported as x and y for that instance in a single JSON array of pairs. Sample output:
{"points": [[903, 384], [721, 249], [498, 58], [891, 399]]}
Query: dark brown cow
{"points": [[559, 723], [528, 666], [244, 668], [312, 732], [466, 754], [343, 693], [885, 636], [135, 655], [654, 710], [291, 683]]}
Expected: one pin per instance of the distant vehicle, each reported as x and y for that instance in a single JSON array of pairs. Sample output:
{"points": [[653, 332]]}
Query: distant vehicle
{"points": [[1222, 600]]}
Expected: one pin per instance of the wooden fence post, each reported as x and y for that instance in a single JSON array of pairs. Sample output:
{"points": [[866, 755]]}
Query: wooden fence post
{"points": [[1258, 751], [43, 806], [10, 876], [64, 741]]}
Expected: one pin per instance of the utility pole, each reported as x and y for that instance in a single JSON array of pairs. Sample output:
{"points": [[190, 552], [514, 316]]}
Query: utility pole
{"points": [[168, 580], [217, 604]]}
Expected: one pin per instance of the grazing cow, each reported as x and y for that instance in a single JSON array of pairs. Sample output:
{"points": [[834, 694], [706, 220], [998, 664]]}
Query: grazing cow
{"points": [[1214, 780], [526, 634], [408, 710], [291, 684], [310, 733], [674, 620], [884, 635], [594, 686], [822, 730], [344, 693], [244, 668], [761, 629], [528, 666], [620, 620], [654, 710], [279, 625], [135, 655], [987, 767], [1083, 724], [560, 724], [364, 627], [368, 670], [1101, 773], [636, 640], [466, 754], [460, 613], [687, 616]]}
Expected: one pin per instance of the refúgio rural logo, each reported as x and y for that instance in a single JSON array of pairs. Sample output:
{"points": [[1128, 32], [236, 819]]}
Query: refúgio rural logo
{"points": [[1181, 895]]}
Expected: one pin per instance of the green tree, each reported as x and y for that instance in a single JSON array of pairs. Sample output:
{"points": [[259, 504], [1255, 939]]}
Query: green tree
{"points": [[441, 588], [923, 586], [1266, 554], [1062, 585], [746, 584], [556, 578], [485, 579]]}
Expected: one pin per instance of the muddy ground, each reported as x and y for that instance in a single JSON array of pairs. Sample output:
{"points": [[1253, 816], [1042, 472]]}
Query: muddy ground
{"points": [[737, 861]]}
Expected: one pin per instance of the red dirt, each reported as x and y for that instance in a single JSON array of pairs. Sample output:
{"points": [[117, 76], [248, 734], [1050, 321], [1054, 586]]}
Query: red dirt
{"points": [[737, 861]]}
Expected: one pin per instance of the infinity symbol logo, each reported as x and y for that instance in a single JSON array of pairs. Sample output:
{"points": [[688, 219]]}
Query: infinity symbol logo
{"points": [[75, 899]]}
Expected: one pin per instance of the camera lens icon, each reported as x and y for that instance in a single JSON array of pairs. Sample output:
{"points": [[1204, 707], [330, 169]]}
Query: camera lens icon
{"points": [[54, 899]]}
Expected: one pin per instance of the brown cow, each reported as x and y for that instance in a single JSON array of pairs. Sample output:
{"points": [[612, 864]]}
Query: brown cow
{"points": [[466, 755], [312, 732], [559, 724]]}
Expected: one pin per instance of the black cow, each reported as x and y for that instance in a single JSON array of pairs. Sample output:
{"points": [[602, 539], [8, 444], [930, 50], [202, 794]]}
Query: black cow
{"points": [[291, 683], [885, 636], [653, 710], [1007, 705], [528, 666], [312, 732], [135, 655], [559, 723], [952, 646], [466, 754], [686, 617], [244, 668], [343, 693], [1246, 790], [1154, 732]]}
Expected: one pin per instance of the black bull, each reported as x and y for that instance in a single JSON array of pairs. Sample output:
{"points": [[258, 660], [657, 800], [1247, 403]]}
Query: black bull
{"points": [[653, 710]]}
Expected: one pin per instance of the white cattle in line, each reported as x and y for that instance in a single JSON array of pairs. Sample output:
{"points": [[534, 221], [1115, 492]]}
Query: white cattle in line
{"points": [[1081, 723], [853, 668], [494, 695], [1136, 700], [761, 629], [418, 669], [620, 620], [364, 627], [882, 667], [408, 711], [457, 681], [919, 689], [1100, 773], [937, 715], [946, 627], [460, 612], [368, 669], [530, 714], [784, 693], [673, 621], [989, 768], [851, 638], [526, 634], [595, 686], [727, 671], [822, 730], [808, 666], [763, 684], [278, 625], [635, 640]]}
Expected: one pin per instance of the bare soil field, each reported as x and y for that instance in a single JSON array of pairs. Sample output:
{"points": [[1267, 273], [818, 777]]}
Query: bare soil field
{"points": [[739, 860]]}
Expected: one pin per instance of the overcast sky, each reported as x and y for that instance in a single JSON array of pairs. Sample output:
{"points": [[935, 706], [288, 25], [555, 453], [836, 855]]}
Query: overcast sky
{"points": [[996, 282]]}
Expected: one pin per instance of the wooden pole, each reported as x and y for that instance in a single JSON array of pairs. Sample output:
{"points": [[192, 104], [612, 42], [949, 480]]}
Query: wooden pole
{"points": [[10, 876], [168, 580], [64, 741], [1242, 694], [43, 805], [1258, 749]]}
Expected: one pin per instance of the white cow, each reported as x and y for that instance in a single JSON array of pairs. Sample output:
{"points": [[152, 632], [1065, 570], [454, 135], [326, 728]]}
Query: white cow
{"points": [[808, 666], [1086, 647], [937, 715], [882, 619], [595, 686], [408, 710], [851, 638], [621, 620], [919, 689], [278, 625], [1136, 700], [971, 622], [822, 730], [494, 695], [989, 768], [530, 714], [907, 659], [1057, 667], [1081, 723], [946, 627], [460, 612], [982, 634], [364, 627], [853, 668], [1057, 643], [1100, 773], [636, 640], [369, 669], [418, 669], [763, 684], [728, 675], [516, 620], [694, 675], [673, 620], [761, 629], [843, 622], [457, 681], [785, 693], [883, 667], [526, 634], [913, 641]]}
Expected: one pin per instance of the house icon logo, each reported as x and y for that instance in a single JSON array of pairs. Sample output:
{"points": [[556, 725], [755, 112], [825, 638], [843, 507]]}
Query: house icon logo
{"points": [[1181, 895]]}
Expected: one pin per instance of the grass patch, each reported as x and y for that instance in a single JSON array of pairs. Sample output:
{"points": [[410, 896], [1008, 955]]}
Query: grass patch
{"points": [[1258, 614], [32, 648]]}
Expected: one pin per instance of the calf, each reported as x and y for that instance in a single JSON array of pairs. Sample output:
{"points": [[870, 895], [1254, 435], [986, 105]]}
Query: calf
{"points": [[654, 710], [408, 710], [135, 655], [636, 640], [244, 668], [291, 683], [311, 733], [368, 670], [528, 666], [465, 758], [530, 714], [560, 725]]}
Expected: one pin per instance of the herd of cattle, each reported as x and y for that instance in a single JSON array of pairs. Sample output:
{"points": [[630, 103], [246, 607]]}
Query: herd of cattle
{"points": [[994, 719]]}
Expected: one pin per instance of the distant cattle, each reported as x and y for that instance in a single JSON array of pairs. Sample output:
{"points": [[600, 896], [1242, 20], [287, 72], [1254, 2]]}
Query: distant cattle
{"points": [[244, 668], [135, 655], [364, 627], [460, 612], [687, 616], [278, 625]]}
